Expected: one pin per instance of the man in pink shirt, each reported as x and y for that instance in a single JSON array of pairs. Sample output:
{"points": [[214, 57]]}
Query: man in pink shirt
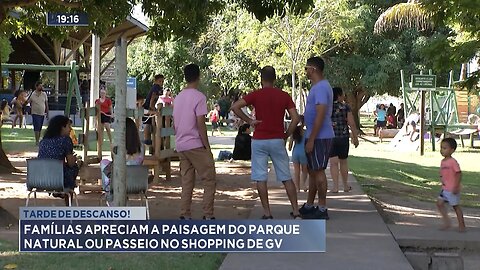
{"points": [[192, 144]]}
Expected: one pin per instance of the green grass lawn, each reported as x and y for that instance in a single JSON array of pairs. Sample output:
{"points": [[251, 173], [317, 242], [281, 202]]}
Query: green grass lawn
{"points": [[105, 261], [381, 169], [17, 139], [367, 122]]}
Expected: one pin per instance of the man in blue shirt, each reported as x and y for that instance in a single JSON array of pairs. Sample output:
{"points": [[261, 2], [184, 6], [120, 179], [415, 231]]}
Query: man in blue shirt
{"points": [[319, 136]]}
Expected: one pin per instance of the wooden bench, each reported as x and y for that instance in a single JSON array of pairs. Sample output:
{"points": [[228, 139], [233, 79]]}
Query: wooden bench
{"points": [[90, 179]]}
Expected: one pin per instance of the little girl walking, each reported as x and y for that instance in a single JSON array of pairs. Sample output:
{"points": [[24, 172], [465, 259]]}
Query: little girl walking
{"points": [[299, 158]]}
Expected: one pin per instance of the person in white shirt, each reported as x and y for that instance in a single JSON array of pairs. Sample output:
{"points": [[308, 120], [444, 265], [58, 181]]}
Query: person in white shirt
{"points": [[38, 101]]}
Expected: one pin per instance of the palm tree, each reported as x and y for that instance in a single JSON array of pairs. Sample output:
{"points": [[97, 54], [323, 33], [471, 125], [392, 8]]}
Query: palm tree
{"points": [[403, 16]]}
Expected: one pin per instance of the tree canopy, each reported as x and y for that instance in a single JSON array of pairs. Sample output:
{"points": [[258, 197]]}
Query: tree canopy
{"points": [[168, 18], [5, 49], [456, 34]]}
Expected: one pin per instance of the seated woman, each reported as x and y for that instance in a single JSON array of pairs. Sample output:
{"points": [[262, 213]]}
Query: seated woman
{"points": [[135, 156], [4, 111], [391, 121], [243, 144], [56, 144]]}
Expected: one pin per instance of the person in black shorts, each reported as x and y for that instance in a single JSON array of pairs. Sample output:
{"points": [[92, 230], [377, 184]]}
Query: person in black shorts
{"points": [[318, 138], [342, 119], [149, 107], [106, 109]]}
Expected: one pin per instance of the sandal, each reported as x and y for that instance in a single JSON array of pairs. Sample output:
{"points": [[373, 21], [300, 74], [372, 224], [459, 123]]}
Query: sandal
{"points": [[267, 217], [58, 195], [348, 189], [334, 191], [297, 217]]}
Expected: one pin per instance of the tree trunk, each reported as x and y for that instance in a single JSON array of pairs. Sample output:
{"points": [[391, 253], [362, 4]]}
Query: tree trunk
{"points": [[356, 99], [301, 93], [5, 164], [463, 72], [294, 96]]}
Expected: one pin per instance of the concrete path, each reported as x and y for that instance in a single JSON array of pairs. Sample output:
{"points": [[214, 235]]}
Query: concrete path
{"points": [[430, 237], [357, 237]]}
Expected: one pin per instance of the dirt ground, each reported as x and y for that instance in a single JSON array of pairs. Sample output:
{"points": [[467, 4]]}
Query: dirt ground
{"points": [[234, 199]]}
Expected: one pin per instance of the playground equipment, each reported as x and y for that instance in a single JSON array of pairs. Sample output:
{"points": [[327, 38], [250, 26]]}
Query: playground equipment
{"points": [[438, 108], [160, 162], [164, 153]]}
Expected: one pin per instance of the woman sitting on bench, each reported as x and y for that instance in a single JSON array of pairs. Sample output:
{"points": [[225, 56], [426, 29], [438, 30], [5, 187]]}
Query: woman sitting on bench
{"points": [[56, 144]]}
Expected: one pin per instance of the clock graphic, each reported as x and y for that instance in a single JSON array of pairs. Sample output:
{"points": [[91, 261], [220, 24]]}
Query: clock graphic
{"points": [[67, 19]]}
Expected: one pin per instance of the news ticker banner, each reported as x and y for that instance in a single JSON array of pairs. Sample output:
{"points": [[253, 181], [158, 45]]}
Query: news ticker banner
{"points": [[79, 233], [83, 213]]}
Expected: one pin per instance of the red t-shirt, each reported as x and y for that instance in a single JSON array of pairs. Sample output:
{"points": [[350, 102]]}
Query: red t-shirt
{"points": [[104, 106], [270, 105]]}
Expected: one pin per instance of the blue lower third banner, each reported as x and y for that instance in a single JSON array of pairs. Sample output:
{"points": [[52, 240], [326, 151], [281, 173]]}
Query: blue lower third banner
{"points": [[172, 236]]}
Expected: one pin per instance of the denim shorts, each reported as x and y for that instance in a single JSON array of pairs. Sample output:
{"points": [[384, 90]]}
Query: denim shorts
{"points": [[275, 149], [299, 157], [37, 122], [449, 197]]}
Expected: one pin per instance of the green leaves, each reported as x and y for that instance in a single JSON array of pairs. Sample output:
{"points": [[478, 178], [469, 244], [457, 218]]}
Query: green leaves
{"points": [[404, 16], [173, 18], [5, 49], [263, 9]]}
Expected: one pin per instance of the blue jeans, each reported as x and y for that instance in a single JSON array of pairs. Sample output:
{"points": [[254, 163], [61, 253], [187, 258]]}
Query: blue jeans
{"points": [[37, 122]]}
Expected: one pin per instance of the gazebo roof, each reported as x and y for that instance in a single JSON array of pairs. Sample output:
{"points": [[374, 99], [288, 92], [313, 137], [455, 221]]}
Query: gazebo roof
{"points": [[130, 28]]}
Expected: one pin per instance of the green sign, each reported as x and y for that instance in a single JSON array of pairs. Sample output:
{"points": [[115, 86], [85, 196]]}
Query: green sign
{"points": [[424, 81]]}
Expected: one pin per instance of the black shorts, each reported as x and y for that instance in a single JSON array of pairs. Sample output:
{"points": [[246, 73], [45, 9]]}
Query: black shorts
{"points": [[147, 120], [105, 119], [340, 147], [214, 124], [381, 123], [317, 160]]}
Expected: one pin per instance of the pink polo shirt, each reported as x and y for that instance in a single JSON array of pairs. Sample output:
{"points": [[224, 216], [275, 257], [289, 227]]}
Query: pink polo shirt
{"points": [[189, 104], [448, 168]]}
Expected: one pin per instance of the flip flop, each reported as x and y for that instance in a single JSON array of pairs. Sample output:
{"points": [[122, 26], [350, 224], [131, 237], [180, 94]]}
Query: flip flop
{"points": [[348, 189]]}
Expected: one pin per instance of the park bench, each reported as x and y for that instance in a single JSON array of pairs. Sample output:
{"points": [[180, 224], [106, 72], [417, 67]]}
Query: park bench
{"points": [[46, 176], [137, 184]]}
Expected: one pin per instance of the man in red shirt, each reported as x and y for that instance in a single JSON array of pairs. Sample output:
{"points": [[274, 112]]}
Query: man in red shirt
{"points": [[269, 137]]}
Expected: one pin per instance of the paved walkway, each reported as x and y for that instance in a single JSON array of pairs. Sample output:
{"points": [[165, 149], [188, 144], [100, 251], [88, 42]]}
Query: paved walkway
{"points": [[357, 237]]}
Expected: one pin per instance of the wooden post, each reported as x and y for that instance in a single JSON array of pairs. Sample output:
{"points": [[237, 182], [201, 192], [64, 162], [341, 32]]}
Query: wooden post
{"points": [[422, 123], [100, 129], [86, 123], [95, 70], [119, 166], [158, 142], [433, 122], [168, 162], [94, 75]]}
